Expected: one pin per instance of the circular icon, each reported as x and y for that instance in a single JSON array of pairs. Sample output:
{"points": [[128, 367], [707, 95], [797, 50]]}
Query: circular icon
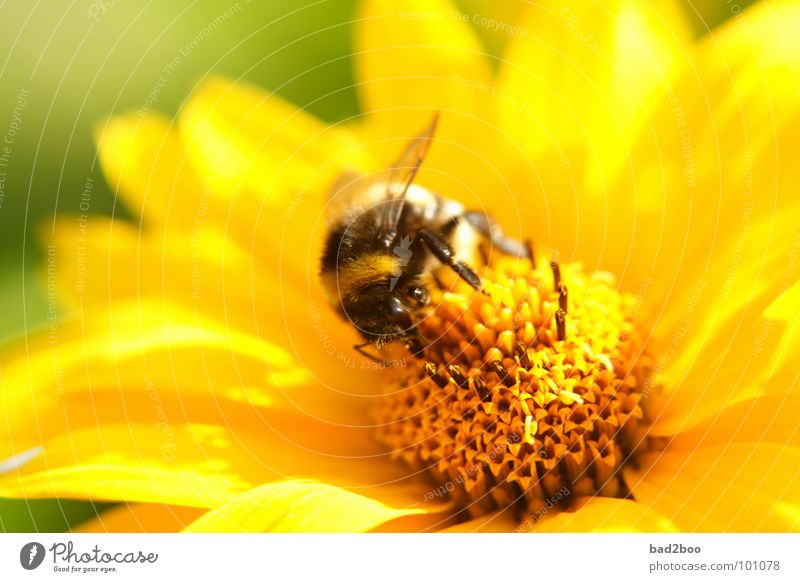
{"points": [[31, 555]]}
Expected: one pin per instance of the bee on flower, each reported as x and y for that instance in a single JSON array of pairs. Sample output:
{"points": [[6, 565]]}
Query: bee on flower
{"points": [[635, 373]]}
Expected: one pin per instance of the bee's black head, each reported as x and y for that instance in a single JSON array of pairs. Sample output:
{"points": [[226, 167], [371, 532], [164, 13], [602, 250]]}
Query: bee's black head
{"points": [[382, 317]]}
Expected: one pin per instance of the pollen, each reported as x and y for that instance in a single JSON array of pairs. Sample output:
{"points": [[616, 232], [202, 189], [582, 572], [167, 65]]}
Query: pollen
{"points": [[527, 389]]}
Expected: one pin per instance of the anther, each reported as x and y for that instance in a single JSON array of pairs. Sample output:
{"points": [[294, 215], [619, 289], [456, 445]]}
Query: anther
{"points": [[433, 373], [502, 373], [562, 298], [458, 376], [480, 387], [521, 351], [556, 274], [561, 324]]}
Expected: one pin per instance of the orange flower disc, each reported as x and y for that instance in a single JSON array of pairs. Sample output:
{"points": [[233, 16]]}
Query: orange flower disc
{"points": [[526, 390]]}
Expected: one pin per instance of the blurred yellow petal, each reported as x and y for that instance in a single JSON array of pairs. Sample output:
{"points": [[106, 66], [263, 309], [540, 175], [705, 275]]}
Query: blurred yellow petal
{"points": [[85, 465], [409, 58], [707, 316], [242, 138], [101, 259], [299, 506], [142, 348], [731, 249], [601, 515], [144, 363], [758, 360], [141, 518], [104, 260], [710, 183], [276, 164], [420, 57], [497, 522], [173, 463], [145, 162], [764, 419], [578, 81], [113, 261], [738, 487]]}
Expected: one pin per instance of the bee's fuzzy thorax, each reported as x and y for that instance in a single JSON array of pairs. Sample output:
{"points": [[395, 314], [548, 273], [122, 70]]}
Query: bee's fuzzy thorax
{"points": [[351, 276]]}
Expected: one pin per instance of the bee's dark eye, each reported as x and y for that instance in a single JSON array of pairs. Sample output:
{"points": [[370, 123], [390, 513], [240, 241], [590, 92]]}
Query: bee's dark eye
{"points": [[418, 294], [396, 307], [398, 313]]}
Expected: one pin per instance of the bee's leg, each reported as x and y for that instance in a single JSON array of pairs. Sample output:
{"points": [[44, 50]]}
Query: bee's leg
{"points": [[360, 349], [383, 363], [439, 283], [416, 348], [485, 226], [447, 256]]}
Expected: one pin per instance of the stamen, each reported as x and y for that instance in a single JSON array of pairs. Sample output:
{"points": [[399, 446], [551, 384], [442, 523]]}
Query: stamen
{"points": [[562, 298], [561, 324], [480, 387], [456, 374], [433, 372], [556, 274], [502, 373], [521, 351]]}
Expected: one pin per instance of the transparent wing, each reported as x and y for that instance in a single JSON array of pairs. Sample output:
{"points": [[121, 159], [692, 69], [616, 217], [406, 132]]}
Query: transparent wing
{"points": [[401, 175]]}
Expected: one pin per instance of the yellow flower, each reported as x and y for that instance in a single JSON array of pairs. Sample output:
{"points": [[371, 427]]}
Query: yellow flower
{"points": [[202, 380]]}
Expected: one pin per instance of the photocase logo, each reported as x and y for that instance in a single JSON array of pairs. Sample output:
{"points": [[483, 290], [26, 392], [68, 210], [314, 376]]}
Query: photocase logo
{"points": [[403, 251], [31, 555]]}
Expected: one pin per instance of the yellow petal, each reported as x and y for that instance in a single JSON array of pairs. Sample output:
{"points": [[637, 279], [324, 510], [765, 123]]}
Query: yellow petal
{"points": [[598, 515], [707, 189], [108, 260], [144, 161], [577, 82], [764, 419], [423, 57], [242, 138], [758, 360], [411, 56], [169, 462], [276, 164], [147, 349], [111, 261], [299, 506], [154, 364], [497, 522], [739, 487], [102, 259], [141, 518]]}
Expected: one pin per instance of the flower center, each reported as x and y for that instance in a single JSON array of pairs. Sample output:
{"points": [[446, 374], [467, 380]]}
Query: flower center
{"points": [[528, 392]]}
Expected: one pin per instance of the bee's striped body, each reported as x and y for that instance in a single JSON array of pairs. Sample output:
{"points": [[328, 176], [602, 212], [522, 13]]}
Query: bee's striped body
{"points": [[384, 242]]}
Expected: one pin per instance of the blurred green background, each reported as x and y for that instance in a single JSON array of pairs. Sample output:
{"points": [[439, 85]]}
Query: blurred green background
{"points": [[67, 65]]}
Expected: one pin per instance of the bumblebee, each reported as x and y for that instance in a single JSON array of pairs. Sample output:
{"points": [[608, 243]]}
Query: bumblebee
{"points": [[387, 237]]}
